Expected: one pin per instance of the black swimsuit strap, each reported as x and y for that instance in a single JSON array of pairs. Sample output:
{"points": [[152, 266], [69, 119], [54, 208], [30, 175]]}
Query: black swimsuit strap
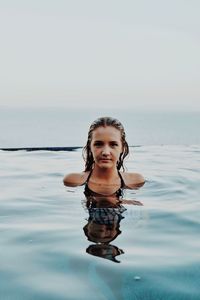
{"points": [[89, 175]]}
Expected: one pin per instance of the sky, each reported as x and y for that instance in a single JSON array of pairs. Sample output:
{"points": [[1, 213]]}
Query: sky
{"points": [[108, 53]]}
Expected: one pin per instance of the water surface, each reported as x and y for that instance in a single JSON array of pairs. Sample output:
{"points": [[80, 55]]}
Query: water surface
{"points": [[44, 250]]}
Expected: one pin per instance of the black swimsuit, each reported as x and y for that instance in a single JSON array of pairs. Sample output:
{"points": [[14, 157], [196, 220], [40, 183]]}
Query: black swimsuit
{"points": [[88, 192]]}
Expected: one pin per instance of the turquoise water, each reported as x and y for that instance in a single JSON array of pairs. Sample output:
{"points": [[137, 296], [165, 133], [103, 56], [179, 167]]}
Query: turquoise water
{"points": [[45, 253]]}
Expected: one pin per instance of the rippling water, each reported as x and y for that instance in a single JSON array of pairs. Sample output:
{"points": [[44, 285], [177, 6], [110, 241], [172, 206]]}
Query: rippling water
{"points": [[45, 253]]}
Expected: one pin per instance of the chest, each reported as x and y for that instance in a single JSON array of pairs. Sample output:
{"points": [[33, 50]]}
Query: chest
{"points": [[103, 189]]}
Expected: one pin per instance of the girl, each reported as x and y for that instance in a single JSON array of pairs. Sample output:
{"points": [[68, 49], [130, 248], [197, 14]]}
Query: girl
{"points": [[104, 155]]}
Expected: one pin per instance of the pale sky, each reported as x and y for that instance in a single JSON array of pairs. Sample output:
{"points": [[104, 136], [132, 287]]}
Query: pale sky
{"points": [[89, 53]]}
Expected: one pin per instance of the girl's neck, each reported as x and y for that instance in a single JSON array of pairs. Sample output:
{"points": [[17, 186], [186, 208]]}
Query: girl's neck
{"points": [[106, 174]]}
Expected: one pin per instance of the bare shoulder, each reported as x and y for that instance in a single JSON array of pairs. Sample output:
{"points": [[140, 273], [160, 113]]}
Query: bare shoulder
{"points": [[133, 179], [75, 179]]}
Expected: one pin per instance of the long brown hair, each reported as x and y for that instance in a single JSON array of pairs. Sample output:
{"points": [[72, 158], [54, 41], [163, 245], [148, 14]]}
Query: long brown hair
{"points": [[102, 122]]}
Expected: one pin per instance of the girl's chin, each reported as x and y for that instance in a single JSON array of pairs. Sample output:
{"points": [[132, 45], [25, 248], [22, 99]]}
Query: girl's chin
{"points": [[105, 165]]}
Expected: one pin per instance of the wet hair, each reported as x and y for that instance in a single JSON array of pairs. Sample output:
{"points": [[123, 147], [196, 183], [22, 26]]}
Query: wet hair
{"points": [[103, 122]]}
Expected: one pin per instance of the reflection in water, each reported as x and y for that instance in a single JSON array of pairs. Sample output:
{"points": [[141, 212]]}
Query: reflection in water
{"points": [[105, 251], [105, 214]]}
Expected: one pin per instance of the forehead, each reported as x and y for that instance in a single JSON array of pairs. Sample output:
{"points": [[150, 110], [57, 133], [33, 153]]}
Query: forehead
{"points": [[107, 132]]}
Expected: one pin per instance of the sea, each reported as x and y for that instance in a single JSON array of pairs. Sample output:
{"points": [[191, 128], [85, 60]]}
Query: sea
{"points": [[50, 249], [59, 127]]}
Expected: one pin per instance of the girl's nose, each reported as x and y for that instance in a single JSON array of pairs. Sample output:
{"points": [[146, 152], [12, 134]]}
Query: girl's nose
{"points": [[106, 151]]}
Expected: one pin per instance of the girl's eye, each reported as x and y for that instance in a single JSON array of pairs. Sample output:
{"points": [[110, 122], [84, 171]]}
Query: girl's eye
{"points": [[98, 144]]}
